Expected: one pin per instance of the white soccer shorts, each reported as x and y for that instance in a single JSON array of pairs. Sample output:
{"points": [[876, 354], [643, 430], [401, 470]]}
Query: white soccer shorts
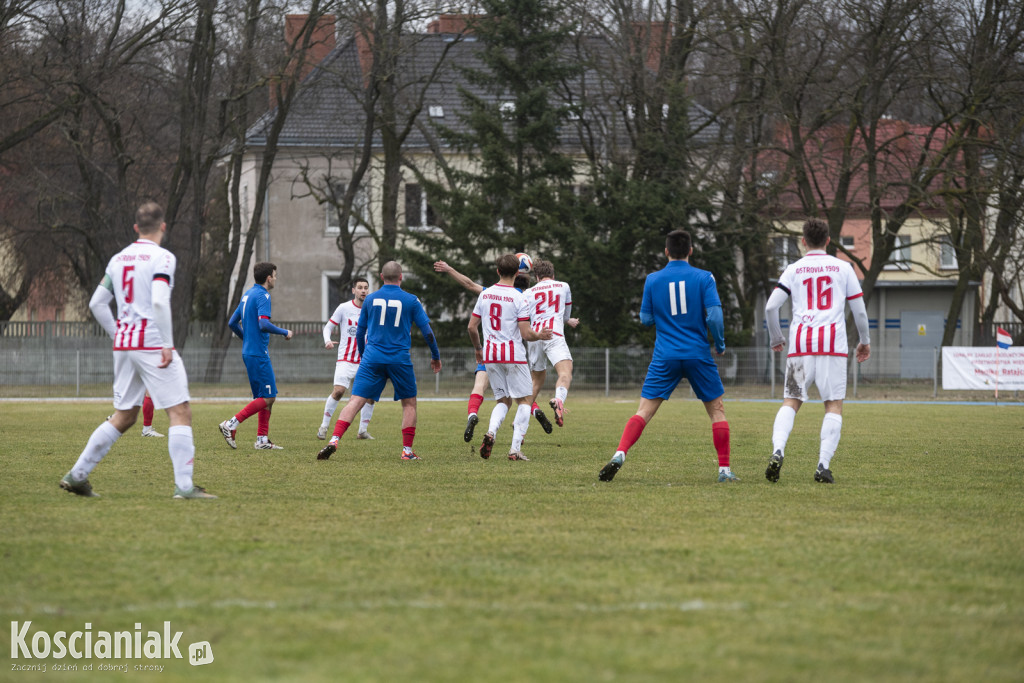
{"points": [[828, 373], [344, 372], [136, 372], [510, 380], [545, 353]]}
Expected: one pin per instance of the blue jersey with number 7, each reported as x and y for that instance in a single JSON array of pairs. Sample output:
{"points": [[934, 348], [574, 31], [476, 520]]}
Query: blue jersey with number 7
{"points": [[678, 297]]}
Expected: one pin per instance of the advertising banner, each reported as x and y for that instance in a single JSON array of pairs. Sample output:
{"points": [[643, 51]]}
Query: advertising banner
{"points": [[982, 367]]}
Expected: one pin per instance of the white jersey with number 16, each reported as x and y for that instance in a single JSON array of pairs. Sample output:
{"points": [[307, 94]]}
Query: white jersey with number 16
{"points": [[819, 286]]}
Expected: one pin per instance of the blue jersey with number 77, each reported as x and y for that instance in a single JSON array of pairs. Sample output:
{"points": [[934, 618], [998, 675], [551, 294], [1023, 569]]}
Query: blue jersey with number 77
{"points": [[678, 297], [386, 319]]}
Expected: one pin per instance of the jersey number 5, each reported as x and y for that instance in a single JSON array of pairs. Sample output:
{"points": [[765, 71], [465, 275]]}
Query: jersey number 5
{"points": [[128, 284], [385, 304], [819, 292], [677, 306]]}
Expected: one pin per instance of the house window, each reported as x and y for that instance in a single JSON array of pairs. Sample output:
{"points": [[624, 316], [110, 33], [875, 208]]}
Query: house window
{"points": [[947, 254], [357, 218], [435, 111], [418, 211], [899, 259], [507, 109], [846, 241], [785, 250]]}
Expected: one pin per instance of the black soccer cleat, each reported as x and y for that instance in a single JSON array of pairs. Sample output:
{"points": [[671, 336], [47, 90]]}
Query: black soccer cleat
{"points": [[470, 426], [823, 476], [327, 451], [543, 419], [774, 467], [609, 471]]}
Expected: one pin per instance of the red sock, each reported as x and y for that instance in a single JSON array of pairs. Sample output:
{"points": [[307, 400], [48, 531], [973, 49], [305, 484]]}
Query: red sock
{"points": [[720, 435], [474, 403], [147, 411], [408, 434], [533, 409], [255, 406], [634, 428], [263, 426], [339, 427]]}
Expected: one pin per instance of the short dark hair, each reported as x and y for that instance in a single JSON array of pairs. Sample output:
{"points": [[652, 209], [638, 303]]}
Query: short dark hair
{"points": [[508, 265], [149, 217], [678, 244], [262, 270], [543, 269], [359, 278], [816, 233], [522, 281]]}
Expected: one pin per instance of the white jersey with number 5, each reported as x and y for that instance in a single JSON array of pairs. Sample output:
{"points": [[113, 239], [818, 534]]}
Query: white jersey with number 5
{"points": [[132, 272], [500, 309], [550, 305], [819, 286]]}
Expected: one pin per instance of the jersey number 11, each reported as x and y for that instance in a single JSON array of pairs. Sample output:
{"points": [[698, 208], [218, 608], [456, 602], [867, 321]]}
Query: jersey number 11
{"points": [[677, 306]]}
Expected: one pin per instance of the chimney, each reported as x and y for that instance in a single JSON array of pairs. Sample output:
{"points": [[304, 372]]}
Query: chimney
{"points": [[321, 42], [653, 39], [453, 23]]}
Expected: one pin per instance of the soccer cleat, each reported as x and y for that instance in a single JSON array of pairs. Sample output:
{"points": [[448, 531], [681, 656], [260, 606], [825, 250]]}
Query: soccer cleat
{"points": [[470, 426], [79, 488], [328, 450], [487, 445], [543, 419], [365, 436], [823, 475], [556, 405], [727, 476], [322, 433], [517, 455], [410, 456], [774, 467], [195, 493], [267, 445], [228, 433], [149, 431], [609, 471]]}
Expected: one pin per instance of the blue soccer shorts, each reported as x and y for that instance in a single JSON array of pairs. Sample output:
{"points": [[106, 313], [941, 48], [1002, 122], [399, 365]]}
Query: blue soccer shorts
{"points": [[261, 376], [371, 378], [664, 375]]}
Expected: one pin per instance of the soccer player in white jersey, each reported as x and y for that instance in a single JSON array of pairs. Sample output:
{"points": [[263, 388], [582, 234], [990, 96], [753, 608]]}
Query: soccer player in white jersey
{"points": [[505, 316], [140, 278], [819, 286], [550, 308], [346, 320]]}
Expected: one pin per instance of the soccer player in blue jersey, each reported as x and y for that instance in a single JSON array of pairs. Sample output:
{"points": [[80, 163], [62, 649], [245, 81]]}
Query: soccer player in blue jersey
{"points": [[682, 303], [384, 335], [251, 322]]}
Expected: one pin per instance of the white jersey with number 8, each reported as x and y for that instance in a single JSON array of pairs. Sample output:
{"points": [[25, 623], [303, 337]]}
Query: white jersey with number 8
{"points": [[500, 309]]}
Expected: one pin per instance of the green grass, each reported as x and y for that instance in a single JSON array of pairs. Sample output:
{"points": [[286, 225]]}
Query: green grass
{"points": [[368, 568]]}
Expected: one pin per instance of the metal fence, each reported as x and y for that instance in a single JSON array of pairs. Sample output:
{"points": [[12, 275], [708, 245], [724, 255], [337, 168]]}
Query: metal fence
{"points": [[304, 369]]}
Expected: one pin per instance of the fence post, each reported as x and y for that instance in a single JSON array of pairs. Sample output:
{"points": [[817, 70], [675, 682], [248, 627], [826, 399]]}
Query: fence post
{"points": [[78, 372], [856, 375], [935, 371], [607, 371]]}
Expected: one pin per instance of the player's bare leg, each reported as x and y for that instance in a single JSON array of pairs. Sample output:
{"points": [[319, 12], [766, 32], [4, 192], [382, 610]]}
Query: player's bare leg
{"points": [[538, 377], [564, 370]]}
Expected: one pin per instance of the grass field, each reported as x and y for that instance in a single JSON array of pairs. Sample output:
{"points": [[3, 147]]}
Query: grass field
{"points": [[368, 568]]}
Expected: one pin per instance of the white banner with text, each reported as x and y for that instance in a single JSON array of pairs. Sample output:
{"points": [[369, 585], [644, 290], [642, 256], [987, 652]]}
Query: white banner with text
{"points": [[982, 367]]}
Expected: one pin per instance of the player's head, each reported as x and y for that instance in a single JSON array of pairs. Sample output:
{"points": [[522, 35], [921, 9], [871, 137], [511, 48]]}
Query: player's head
{"points": [[264, 273], [149, 219], [522, 281], [391, 273], [543, 269], [508, 265], [816, 233], [678, 245], [360, 288]]}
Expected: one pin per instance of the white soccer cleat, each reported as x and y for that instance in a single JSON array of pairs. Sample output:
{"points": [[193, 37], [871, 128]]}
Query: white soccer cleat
{"points": [[365, 436], [265, 444], [321, 433], [149, 431]]}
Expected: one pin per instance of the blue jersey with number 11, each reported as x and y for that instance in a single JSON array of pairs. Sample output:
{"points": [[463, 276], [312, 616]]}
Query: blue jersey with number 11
{"points": [[678, 298]]}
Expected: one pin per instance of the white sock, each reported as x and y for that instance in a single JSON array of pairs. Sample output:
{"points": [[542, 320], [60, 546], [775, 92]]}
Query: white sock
{"points": [[364, 417], [497, 417], [233, 423], [619, 457], [783, 426], [103, 437], [329, 408], [561, 393], [183, 451], [519, 426], [831, 428]]}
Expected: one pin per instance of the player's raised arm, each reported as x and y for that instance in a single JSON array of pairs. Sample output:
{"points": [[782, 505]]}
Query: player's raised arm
{"points": [[442, 267]]}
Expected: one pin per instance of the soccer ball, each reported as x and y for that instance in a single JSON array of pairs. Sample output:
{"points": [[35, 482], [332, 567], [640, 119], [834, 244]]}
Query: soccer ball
{"points": [[525, 262]]}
